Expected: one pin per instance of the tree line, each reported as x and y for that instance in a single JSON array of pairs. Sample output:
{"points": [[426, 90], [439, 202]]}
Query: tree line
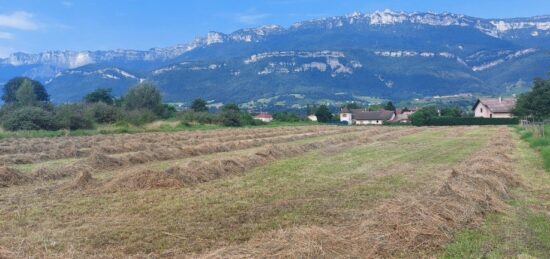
{"points": [[27, 106]]}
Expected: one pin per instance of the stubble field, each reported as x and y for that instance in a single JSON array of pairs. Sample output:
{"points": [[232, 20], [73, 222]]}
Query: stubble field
{"points": [[308, 191]]}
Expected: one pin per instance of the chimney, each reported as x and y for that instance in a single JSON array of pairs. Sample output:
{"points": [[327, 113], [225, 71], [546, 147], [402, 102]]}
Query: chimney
{"points": [[500, 99]]}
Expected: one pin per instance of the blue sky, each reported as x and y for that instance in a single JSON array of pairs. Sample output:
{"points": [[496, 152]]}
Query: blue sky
{"points": [[38, 25]]}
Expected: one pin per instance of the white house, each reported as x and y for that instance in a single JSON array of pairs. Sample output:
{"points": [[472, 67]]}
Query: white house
{"points": [[312, 117], [365, 117], [494, 107], [263, 116]]}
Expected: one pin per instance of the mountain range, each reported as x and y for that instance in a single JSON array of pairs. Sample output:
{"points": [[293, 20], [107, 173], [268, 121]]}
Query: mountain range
{"points": [[385, 54]]}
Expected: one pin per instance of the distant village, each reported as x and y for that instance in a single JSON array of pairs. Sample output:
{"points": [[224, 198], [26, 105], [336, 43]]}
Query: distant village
{"points": [[482, 108]]}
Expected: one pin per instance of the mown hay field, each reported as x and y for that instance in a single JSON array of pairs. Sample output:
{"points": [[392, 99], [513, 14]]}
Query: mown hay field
{"points": [[307, 191]]}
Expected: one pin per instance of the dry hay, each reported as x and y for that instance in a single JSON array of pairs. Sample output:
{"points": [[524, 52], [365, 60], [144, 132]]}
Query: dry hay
{"points": [[403, 226], [6, 254], [26, 151], [147, 179], [49, 173], [82, 181], [102, 161], [11, 176], [200, 171]]}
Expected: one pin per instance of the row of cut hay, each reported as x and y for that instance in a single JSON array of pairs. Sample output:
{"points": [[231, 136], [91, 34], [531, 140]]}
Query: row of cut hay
{"points": [[168, 140], [114, 145], [409, 225], [37, 145], [98, 161], [200, 171], [10, 176], [102, 161]]}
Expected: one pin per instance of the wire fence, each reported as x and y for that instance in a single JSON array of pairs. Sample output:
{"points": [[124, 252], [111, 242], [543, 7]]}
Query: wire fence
{"points": [[536, 127]]}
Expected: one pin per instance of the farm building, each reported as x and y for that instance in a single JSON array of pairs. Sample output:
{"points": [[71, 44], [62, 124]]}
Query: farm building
{"points": [[264, 116], [403, 115], [494, 107], [312, 117], [365, 117]]}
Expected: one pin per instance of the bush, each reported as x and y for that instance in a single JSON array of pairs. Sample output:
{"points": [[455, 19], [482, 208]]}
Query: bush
{"points": [[28, 118], [199, 105], [421, 117], [144, 96], [231, 118], [73, 117], [139, 117], [103, 113], [286, 117], [247, 119], [452, 121], [100, 95], [199, 117], [166, 111]]}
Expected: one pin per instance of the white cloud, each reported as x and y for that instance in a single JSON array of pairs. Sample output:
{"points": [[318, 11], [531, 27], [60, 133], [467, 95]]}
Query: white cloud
{"points": [[252, 18], [18, 20], [5, 35]]}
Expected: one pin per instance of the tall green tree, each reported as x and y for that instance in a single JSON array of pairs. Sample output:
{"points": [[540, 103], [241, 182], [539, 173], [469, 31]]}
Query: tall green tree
{"points": [[231, 115], [144, 96], [451, 112], [199, 105], [11, 87], [389, 106], [422, 116], [323, 114], [535, 103], [25, 95], [231, 107], [103, 95]]}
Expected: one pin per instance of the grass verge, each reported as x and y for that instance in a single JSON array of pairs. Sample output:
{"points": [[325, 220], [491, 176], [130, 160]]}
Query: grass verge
{"points": [[523, 231], [541, 144]]}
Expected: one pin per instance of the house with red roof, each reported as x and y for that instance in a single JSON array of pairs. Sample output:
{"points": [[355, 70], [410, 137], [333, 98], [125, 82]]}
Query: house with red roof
{"points": [[264, 116]]}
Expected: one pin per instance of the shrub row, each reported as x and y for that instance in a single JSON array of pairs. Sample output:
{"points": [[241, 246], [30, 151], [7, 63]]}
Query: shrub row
{"points": [[453, 121]]}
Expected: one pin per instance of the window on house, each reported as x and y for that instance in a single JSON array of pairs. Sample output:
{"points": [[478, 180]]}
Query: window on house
{"points": [[481, 109]]}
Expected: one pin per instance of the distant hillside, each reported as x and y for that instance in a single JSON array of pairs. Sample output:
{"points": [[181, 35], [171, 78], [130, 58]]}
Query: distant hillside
{"points": [[383, 54]]}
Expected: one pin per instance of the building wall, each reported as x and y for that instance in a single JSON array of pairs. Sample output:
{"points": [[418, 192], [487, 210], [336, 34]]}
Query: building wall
{"points": [[483, 112], [264, 119], [369, 122], [346, 117]]}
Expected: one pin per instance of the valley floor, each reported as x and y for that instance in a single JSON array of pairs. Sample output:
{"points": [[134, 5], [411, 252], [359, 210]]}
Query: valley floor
{"points": [[307, 191]]}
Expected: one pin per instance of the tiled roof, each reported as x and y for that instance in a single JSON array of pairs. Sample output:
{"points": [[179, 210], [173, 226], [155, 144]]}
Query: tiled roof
{"points": [[264, 115], [498, 105], [372, 115]]}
